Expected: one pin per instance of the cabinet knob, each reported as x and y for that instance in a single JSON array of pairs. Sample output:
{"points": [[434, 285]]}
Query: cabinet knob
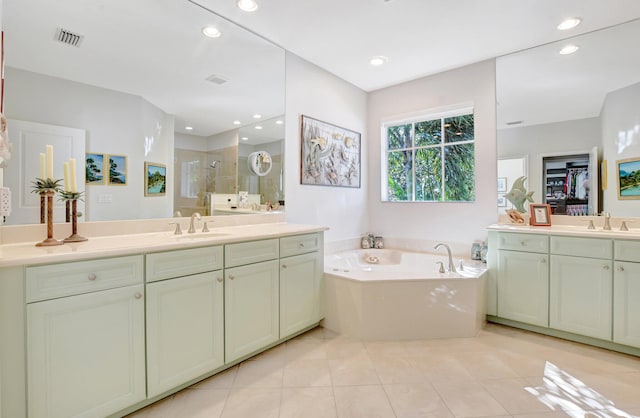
{"points": [[301, 245], [138, 295], [543, 260], [231, 277], [284, 266], [605, 267], [219, 279], [620, 268], [521, 242], [92, 276]]}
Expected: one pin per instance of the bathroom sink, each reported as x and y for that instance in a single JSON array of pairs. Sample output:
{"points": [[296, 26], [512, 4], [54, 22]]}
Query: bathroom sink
{"points": [[201, 235]]}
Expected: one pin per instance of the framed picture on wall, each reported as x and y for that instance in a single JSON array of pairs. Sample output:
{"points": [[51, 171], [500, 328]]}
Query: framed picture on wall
{"points": [[540, 215], [94, 168], [628, 182], [502, 184], [502, 201], [117, 168], [155, 179]]}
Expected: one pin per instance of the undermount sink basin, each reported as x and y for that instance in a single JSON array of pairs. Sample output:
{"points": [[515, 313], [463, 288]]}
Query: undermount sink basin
{"points": [[200, 235]]}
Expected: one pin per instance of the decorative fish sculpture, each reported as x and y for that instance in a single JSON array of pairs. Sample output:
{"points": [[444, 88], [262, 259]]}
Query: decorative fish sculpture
{"points": [[518, 194]]}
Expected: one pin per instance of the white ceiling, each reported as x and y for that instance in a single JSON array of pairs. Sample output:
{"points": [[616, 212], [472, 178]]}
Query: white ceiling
{"points": [[153, 48], [419, 37]]}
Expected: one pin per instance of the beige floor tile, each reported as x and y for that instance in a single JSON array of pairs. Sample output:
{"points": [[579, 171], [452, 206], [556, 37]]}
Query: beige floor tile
{"points": [[386, 349], [623, 389], [441, 367], [161, 409], [342, 348], [353, 371], [307, 373], [200, 403], [469, 399], [308, 403], [305, 349], [524, 365], [362, 402], [552, 414], [397, 370], [222, 380], [486, 365], [252, 402], [513, 396], [416, 400], [259, 374]]}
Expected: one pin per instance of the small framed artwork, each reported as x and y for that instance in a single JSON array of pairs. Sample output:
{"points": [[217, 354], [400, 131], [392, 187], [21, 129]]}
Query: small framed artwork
{"points": [[117, 168], [628, 178], [540, 215], [502, 184], [94, 168], [155, 180], [502, 201]]}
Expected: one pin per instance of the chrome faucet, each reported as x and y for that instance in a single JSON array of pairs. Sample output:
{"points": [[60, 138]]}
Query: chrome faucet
{"points": [[452, 267], [192, 228], [607, 224]]}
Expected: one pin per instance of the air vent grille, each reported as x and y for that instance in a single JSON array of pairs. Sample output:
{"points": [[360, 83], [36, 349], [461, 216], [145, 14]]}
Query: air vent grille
{"points": [[216, 79], [69, 38]]}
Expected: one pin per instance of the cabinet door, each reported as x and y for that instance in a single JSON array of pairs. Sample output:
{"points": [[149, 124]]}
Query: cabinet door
{"points": [[626, 302], [185, 329], [299, 292], [523, 287], [580, 296], [251, 308], [85, 353]]}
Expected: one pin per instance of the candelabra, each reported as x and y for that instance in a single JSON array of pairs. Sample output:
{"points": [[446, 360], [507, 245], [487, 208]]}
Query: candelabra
{"points": [[71, 199], [47, 188]]}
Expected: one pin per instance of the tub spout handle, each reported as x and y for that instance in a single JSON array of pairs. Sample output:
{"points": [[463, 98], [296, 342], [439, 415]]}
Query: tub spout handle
{"points": [[441, 269]]}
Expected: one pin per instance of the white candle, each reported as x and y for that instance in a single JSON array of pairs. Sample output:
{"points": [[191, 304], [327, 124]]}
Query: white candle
{"points": [[72, 167], [50, 162], [43, 164], [66, 176]]}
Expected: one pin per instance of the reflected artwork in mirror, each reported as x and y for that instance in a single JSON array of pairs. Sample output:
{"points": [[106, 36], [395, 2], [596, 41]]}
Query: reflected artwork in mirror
{"points": [[156, 89], [551, 107]]}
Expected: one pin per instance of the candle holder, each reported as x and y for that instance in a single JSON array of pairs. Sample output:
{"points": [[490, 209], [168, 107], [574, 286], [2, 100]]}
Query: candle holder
{"points": [[46, 188], [71, 199]]}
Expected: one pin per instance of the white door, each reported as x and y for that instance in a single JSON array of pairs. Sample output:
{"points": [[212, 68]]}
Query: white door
{"points": [[29, 140], [85, 354]]}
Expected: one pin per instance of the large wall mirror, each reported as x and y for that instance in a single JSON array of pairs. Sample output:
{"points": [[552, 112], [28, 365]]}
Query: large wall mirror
{"points": [[133, 82], [558, 114]]}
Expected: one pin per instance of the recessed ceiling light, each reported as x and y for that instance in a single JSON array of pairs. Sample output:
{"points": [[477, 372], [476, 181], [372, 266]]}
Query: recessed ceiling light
{"points": [[211, 31], [236, 122], [189, 128], [279, 122], [258, 127], [378, 60], [569, 49], [244, 138], [569, 23], [247, 5], [257, 116]]}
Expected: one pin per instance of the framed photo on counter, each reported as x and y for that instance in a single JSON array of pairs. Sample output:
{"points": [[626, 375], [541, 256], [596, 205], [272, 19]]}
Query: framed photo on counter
{"points": [[540, 214]]}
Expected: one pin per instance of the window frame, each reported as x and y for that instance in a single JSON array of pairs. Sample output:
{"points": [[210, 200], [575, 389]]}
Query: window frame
{"points": [[416, 117]]}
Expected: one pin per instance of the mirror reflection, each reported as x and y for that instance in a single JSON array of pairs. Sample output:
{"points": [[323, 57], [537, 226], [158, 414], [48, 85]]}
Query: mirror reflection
{"points": [[139, 81], [563, 119]]}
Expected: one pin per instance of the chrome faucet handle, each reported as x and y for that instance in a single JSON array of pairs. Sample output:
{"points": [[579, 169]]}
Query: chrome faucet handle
{"points": [[441, 269], [460, 265], [178, 231], [607, 224], [590, 225], [205, 228]]}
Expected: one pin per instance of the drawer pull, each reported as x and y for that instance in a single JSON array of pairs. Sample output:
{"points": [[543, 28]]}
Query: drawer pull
{"points": [[219, 279], [522, 243], [92, 276], [301, 245], [620, 268], [543, 260], [138, 295], [284, 266], [605, 267], [231, 277]]}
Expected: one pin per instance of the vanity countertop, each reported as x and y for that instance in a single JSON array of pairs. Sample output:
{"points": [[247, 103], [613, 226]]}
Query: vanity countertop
{"points": [[116, 245], [569, 230]]}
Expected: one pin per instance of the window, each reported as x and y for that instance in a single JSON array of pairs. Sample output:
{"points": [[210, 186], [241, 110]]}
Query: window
{"points": [[430, 159], [190, 179]]}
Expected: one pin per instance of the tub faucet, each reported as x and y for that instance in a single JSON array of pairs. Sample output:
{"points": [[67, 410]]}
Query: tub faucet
{"points": [[452, 267], [192, 228]]}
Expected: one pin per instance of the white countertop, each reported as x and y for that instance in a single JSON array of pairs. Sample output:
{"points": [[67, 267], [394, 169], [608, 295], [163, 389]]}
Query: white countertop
{"points": [[569, 230], [116, 245]]}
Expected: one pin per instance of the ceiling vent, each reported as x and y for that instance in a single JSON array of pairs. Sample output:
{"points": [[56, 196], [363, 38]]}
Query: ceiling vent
{"points": [[216, 79], [69, 38]]}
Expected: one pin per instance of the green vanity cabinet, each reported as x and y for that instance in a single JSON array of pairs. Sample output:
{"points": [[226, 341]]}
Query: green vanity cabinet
{"points": [[626, 293]]}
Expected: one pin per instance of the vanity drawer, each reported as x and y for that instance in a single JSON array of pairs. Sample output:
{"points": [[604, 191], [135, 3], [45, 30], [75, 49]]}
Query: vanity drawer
{"points": [[523, 242], [250, 252], [299, 244], [66, 279], [627, 250], [582, 247], [169, 264]]}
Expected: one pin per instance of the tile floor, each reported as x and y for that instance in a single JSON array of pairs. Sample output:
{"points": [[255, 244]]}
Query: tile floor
{"points": [[503, 372]]}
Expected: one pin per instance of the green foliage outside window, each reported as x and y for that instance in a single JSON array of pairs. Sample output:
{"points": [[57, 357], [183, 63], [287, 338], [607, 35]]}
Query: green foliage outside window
{"points": [[431, 160]]}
